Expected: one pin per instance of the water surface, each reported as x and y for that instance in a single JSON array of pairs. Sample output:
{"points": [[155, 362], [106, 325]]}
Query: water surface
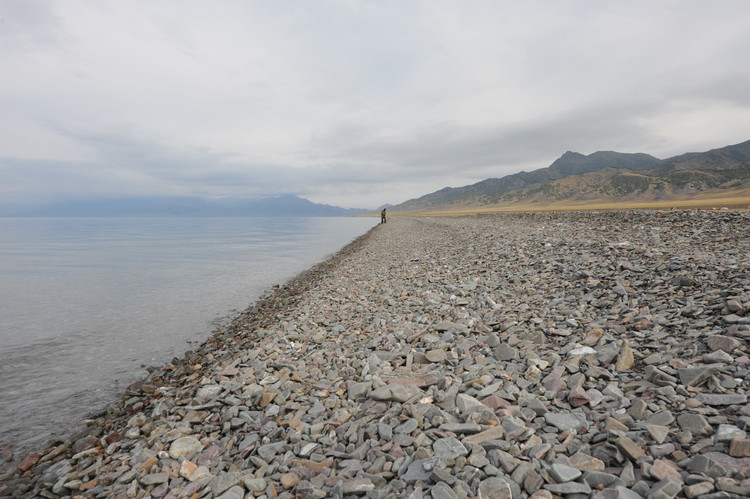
{"points": [[85, 304]]}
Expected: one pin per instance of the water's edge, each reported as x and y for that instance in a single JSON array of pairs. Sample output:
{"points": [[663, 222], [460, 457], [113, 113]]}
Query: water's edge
{"points": [[92, 400]]}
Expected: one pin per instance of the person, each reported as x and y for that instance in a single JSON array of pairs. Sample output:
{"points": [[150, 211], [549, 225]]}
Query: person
{"points": [[382, 216]]}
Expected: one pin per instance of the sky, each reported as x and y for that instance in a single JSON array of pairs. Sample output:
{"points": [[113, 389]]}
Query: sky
{"points": [[353, 103]]}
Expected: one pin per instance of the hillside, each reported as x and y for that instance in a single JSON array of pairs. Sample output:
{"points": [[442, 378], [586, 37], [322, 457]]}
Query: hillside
{"points": [[602, 177]]}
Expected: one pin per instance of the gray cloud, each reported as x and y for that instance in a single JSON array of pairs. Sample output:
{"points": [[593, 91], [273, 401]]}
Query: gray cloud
{"points": [[353, 103]]}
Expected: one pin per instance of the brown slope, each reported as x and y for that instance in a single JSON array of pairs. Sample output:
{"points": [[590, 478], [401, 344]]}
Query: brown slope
{"points": [[603, 177]]}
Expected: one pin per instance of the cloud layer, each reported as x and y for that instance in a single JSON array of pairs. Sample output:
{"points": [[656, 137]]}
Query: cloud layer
{"points": [[353, 103]]}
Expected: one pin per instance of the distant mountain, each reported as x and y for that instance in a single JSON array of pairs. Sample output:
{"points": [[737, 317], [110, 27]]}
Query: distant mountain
{"points": [[293, 206], [603, 176], [176, 206]]}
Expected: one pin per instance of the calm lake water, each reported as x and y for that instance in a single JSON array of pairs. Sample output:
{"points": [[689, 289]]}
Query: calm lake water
{"points": [[86, 303]]}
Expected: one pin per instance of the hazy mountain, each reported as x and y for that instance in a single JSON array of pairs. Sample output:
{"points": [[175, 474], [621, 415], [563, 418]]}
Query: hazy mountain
{"points": [[602, 176], [175, 206], [293, 206]]}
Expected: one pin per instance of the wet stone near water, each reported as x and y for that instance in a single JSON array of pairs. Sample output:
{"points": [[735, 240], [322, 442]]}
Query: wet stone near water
{"points": [[511, 355]]}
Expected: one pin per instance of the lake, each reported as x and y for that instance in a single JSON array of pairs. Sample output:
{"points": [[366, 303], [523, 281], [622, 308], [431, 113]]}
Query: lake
{"points": [[87, 303]]}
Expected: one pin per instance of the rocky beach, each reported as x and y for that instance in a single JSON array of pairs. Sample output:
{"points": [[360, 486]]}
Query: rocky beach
{"points": [[565, 354]]}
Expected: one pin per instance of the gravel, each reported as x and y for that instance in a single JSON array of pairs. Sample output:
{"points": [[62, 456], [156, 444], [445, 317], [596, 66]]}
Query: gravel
{"points": [[540, 355]]}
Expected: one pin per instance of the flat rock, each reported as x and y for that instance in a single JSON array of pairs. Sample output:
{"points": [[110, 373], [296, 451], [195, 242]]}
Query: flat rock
{"points": [[494, 488], [449, 448], [393, 392], [717, 399], [721, 342], [493, 433], [185, 447], [563, 473], [694, 376], [567, 421], [695, 424]]}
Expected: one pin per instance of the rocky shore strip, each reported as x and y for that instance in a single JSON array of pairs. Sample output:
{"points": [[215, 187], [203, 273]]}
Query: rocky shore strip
{"points": [[589, 354]]}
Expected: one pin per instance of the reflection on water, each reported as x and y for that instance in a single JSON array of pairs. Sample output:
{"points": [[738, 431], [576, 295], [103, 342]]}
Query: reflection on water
{"points": [[87, 302]]}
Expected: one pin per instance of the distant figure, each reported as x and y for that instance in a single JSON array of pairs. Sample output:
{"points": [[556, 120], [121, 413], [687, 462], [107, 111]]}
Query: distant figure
{"points": [[382, 216]]}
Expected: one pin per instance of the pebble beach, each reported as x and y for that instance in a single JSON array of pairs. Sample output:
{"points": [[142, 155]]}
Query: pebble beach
{"points": [[541, 355]]}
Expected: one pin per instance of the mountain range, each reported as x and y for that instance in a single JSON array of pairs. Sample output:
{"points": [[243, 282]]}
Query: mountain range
{"points": [[603, 178], [170, 206]]}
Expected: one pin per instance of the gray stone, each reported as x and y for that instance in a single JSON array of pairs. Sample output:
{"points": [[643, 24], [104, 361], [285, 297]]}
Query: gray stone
{"points": [[442, 491], [704, 464], [492, 433], [235, 492], [461, 428], [255, 484], [185, 448], [206, 393], [595, 397], [128, 476], [513, 425], [467, 404], [627, 474], [450, 326], [494, 488], [268, 451], [537, 406], [357, 486], [666, 489], [224, 481], [492, 340], [316, 410], [449, 448], [154, 478], [721, 342], [505, 352], [567, 488], [732, 486], [440, 475], [698, 489], [521, 472], [553, 380], [726, 432], [734, 319], [563, 473], [385, 431], [734, 306], [395, 392], [567, 421], [629, 448], [407, 426], [55, 472], [436, 356], [357, 390], [416, 472], [533, 482], [626, 493], [661, 418], [658, 432], [714, 399], [695, 424], [694, 376], [600, 479], [719, 356], [489, 390]]}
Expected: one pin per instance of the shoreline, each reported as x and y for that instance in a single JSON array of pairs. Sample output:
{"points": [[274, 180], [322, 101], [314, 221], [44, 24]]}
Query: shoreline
{"points": [[253, 315], [435, 353], [120, 295]]}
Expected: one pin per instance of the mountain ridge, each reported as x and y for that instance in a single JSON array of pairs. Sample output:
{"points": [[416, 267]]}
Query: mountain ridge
{"points": [[603, 176]]}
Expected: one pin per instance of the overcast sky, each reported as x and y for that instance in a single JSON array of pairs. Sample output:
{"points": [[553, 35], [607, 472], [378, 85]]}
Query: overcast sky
{"points": [[353, 103]]}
